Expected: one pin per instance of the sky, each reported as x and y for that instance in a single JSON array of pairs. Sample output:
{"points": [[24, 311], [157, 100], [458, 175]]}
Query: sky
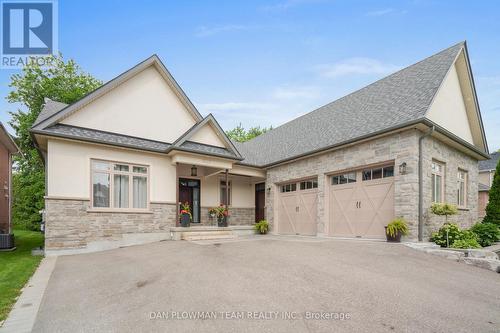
{"points": [[263, 63]]}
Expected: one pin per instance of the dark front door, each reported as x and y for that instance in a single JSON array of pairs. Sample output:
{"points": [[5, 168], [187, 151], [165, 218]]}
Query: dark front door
{"points": [[260, 201], [189, 191]]}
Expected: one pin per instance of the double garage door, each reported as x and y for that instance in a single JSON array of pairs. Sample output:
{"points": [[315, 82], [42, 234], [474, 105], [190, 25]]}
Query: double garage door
{"points": [[361, 203]]}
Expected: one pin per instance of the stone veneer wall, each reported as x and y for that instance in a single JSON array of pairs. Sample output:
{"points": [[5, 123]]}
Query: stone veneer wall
{"points": [[238, 216], [400, 147], [70, 225], [453, 160]]}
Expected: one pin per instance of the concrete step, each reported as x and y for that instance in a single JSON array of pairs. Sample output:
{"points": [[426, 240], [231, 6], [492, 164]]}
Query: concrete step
{"points": [[190, 237]]}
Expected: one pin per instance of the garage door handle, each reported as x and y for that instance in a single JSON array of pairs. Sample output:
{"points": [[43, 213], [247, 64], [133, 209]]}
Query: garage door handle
{"points": [[359, 204], [297, 209]]}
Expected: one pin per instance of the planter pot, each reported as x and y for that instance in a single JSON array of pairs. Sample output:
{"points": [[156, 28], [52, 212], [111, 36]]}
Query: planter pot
{"points": [[395, 239], [185, 220], [222, 221], [6, 241]]}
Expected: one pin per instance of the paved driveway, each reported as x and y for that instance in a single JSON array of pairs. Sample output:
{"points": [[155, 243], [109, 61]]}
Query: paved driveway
{"points": [[377, 287]]}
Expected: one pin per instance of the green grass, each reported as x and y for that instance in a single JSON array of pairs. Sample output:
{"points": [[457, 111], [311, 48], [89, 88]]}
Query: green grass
{"points": [[16, 268]]}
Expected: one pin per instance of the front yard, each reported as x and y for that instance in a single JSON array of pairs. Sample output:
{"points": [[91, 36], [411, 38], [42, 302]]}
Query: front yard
{"points": [[16, 268]]}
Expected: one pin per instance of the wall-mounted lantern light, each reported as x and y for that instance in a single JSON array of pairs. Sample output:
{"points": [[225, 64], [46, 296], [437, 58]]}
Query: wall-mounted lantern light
{"points": [[194, 171], [269, 190], [402, 168]]}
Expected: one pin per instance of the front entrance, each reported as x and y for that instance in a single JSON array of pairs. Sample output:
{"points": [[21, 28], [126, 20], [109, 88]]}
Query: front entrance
{"points": [[189, 191], [260, 201]]}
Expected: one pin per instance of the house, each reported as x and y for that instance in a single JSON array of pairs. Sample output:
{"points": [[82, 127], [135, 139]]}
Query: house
{"points": [[120, 159], [7, 149], [486, 173]]}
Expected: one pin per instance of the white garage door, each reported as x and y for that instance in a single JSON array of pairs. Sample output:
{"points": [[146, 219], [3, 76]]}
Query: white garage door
{"points": [[297, 207], [361, 202]]}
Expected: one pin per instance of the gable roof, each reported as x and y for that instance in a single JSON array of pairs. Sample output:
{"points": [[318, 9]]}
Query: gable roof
{"points": [[398, 100], [208, 120], [51, 117], [490, 164], [50, 107], [7, 140]]}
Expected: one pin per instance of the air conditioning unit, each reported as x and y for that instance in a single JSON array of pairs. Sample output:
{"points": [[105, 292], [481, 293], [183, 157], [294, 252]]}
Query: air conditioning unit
{"points": [[6, 241]]}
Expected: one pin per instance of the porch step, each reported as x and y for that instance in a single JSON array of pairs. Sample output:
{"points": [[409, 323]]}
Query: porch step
{"points": [[207, 237], [204, 235]]}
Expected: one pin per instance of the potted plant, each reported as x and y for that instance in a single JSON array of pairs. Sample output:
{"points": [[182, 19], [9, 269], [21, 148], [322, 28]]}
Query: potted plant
{"points": [[212, 212], [261, 227], [185, 214], [222, 216], [396, 229]]}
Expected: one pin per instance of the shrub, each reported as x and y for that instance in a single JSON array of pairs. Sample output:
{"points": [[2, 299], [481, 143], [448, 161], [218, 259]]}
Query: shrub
{"points": [[465, 244], [452, 230], [493, 207], [444, 209], [396, 225], [261, 227], [487, 233]]}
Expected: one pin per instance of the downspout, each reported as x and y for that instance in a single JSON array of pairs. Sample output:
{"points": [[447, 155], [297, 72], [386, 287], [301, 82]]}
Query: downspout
{"points": [[421, 185]]}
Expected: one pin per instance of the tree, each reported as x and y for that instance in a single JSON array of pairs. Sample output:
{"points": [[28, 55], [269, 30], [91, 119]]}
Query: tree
{"points": [[60, 81], [493, 207], [239, 134]]}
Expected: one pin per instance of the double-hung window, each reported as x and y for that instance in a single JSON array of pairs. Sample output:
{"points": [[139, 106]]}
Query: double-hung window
{"points": [[462, 188], [437, 181], [119, 185]]}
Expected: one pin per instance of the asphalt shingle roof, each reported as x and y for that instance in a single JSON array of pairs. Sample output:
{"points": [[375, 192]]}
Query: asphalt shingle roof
{"points": [[490, 164], [483, 188], [399, 98], [50, 107]]}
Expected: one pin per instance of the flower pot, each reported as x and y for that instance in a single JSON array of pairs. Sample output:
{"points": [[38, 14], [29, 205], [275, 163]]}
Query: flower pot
{"points": [[395, 239], [222, 221], [185, 220]]}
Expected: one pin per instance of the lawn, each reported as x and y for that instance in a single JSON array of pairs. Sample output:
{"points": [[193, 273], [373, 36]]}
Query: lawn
{"points": [[16, 268]]}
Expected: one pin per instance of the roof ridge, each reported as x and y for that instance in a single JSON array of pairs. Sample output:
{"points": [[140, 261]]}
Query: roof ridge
{"points": [[360, 89]]}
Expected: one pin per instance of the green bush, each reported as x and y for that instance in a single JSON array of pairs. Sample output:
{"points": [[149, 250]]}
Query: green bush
{"points": [[444, 209], [487, 233], [453, 231], [470, 243], [396, 225], [493, 207], [261, 227]]}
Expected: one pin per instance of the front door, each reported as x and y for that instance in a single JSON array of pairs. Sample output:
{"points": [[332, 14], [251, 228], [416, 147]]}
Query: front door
{"points": [[189, 191], [260, 201]]}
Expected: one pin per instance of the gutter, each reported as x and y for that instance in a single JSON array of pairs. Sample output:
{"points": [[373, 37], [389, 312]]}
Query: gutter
{"points": [[421, 185]]}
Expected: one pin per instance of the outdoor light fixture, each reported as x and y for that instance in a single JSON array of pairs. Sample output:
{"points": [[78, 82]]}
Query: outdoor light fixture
{"points": [[269, 189], [194, 171], [402, 168]]}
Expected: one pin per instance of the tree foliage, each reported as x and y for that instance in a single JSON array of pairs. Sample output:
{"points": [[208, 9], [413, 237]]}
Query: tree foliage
{"points": [[239, 133], [62, 81], [493, 207]]}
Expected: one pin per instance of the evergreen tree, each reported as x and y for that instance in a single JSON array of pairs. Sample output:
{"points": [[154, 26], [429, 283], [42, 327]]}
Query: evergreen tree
{"points": [[493, 207]]}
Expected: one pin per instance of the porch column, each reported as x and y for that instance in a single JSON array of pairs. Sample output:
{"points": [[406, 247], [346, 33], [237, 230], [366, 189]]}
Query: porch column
{"points": [[176, 194], [227, 190]]}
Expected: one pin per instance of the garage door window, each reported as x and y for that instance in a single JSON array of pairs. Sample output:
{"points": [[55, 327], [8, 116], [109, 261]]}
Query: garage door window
{"points": [[308, 184], [344, 178], [289, 188], [377, 173]]}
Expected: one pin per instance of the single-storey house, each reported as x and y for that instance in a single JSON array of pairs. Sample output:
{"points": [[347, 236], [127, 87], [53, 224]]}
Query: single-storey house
{"points": [[121, 159], [486, 173]]}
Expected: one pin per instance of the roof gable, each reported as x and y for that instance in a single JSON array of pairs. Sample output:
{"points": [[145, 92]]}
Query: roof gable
{"points": [[209, 133], [143, 97], [455, 106]]}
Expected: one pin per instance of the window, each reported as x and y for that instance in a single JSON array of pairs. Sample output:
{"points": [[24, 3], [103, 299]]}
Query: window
{"points": [[223, 193], [289, 188], [437, 181], [462, 188], [345, 178], [119, 185], [378, 173], [308, 184]]}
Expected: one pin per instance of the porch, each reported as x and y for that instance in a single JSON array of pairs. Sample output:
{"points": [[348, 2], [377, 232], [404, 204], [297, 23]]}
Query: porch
{"points": [[200, 232]]}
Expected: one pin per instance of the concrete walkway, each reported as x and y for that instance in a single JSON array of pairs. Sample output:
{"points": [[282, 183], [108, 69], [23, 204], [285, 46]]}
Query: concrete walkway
{"points": [[23, 315]]}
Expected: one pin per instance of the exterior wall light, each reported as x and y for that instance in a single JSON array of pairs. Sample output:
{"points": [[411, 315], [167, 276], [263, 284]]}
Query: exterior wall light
{"points": [[194, 171], [402, 168]]}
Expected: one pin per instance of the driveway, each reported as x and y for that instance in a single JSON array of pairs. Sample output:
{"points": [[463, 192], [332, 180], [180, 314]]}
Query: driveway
{"points": [[269, 285]]}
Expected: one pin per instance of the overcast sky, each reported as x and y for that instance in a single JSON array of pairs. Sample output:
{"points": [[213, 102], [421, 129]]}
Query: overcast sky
{"points": [[267, 62]]}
